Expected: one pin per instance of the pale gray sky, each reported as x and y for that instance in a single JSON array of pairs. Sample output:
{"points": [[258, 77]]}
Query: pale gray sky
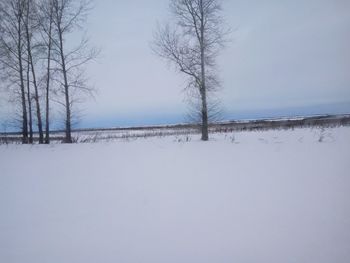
{"points": [[286, 57]]}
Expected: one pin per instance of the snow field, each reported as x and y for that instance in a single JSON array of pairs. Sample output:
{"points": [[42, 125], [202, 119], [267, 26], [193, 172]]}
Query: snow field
{"points": [[274, 196]]}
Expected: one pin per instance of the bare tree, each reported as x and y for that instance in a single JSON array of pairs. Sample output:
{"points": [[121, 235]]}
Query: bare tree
{"points": [[46, 24], [29, 100], [193, 45], [67, 16], [34, 51], [12, 53], [31, 26]]}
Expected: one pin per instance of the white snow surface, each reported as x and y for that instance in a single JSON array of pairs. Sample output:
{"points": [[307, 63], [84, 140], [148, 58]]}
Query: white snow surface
{"points": [[273, 196]]}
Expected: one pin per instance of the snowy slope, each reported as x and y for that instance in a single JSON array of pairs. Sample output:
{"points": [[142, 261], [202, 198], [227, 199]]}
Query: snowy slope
{"points": [[276, 196]]}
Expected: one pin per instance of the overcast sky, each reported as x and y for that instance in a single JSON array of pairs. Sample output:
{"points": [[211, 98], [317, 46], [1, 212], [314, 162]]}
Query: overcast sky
{"points": [[285, 58]]}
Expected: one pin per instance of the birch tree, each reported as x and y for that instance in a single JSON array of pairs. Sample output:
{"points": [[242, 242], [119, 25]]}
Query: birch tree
{"points": [[192, 43]]}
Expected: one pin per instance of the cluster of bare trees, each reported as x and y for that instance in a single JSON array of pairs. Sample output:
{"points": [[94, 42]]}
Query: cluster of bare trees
{"points": [[39, 65], [192, 43]]}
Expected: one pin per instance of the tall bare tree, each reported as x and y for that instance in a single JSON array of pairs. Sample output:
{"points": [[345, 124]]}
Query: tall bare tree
{"points": [[192, 44], [12, 53], [29, 100], [67, 16], [31, 26], [45, 20], [34, 51]]}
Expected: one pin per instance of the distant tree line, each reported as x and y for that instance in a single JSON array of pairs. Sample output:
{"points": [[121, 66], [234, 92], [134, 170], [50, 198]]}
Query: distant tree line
{"points": [[38, 65]]}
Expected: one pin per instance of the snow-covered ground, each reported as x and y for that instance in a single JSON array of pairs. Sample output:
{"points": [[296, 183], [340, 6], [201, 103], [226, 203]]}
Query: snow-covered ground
{"points": [[274, 196]]}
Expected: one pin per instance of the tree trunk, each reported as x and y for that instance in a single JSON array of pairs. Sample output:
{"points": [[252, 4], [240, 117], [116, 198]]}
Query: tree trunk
{"points": [[203, 88], [68, 138], [47, 126], [205, 133], [36, 97], [68, 116], [23, 97], [47, 117], [29, 104], [38, 110]]}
